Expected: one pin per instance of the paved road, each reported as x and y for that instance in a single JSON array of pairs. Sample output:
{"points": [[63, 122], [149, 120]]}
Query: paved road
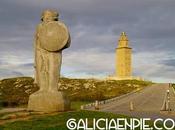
{"points": [[146, 103]]}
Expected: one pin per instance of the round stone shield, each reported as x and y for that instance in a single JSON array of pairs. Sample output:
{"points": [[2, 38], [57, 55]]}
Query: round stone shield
{"points": [[53, 36]]}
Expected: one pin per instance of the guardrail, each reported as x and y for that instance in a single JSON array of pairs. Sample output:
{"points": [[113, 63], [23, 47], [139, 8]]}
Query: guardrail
{"points": [[90, 105]]}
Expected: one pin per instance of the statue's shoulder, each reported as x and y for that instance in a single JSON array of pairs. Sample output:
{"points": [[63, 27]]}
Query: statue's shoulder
{"points": [[38, 27], [59, 23]]}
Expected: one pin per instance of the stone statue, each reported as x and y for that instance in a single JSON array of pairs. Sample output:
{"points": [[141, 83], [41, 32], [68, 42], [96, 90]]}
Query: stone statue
{"points": [[52, 36]]}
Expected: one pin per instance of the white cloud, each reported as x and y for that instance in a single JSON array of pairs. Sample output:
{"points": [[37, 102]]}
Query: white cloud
{"points": [[149, 66], [94, 31], [89, 61], [16, 64]]}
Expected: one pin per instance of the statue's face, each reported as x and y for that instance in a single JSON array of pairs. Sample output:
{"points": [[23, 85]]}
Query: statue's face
{"points": [[48, 17]]}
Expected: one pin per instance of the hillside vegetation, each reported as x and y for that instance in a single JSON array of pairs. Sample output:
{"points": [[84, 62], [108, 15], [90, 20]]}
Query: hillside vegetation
{"points": [[16, 91]]}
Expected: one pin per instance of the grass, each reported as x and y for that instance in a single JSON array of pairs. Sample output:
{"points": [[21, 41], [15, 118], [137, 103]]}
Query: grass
{"points": [[76, 105], [58, 121], [91, 90], [80, 91]]}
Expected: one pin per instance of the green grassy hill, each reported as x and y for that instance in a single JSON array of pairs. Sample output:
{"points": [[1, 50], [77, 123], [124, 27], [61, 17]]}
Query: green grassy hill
{"points": [[15, 91]]}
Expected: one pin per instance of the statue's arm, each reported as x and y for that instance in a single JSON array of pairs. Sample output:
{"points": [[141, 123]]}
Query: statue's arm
{"points": [[69, 39], [68, 42]]}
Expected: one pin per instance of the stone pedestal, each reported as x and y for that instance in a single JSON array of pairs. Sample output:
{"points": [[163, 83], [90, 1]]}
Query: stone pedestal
{"points": [[48, 101]]}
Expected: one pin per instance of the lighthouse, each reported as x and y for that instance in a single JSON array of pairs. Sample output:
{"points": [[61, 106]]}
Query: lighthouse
{"points": [[123, 60]]}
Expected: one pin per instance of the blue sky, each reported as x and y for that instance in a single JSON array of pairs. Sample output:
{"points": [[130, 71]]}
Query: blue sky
{"points": [[95, 26]]}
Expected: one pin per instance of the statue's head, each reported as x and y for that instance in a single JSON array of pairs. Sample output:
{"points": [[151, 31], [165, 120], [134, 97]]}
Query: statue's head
{"points": [[49, 15]]}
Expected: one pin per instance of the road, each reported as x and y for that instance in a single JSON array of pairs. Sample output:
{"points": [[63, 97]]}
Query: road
{"points": [[146, 103]]}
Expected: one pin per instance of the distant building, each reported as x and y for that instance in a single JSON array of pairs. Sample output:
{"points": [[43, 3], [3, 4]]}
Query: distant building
{"points": [[123, 57], [123, 60]]}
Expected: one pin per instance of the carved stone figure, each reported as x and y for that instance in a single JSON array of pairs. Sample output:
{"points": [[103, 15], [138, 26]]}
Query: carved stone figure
{"points": [[52, 36]]}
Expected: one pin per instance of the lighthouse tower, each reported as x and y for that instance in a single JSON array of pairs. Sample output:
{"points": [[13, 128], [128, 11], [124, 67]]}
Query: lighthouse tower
{"points": [[123, 61], [123, 58]]}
